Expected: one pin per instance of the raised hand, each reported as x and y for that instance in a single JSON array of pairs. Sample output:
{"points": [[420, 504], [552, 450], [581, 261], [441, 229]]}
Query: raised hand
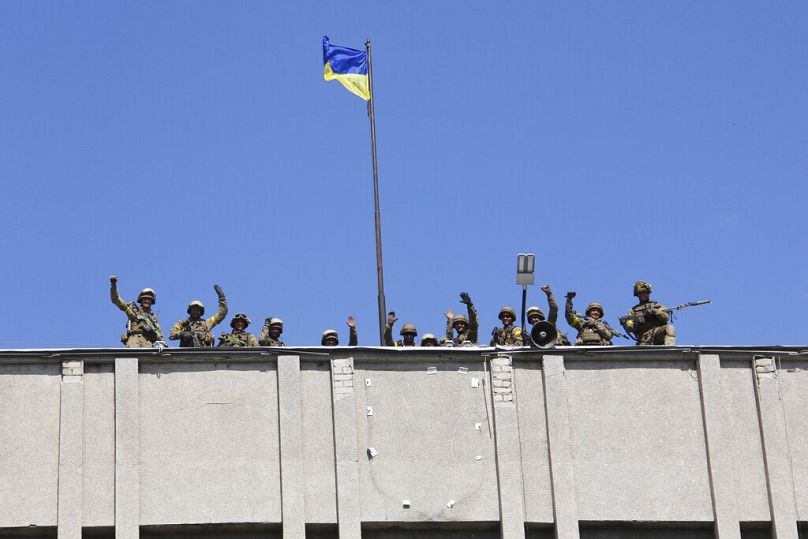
{"points": [[449, 314], [391, 318], [546, 289], [113, 279], [570, 295], [351, 321], [218, 289], [465, 298]]}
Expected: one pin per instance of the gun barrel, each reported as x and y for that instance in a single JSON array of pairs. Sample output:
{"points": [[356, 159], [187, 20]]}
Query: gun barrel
{"points": [[690, 304]]}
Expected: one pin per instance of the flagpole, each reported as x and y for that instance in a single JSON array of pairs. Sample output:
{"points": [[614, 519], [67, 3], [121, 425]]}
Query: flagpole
{"points": [[377, 215]]}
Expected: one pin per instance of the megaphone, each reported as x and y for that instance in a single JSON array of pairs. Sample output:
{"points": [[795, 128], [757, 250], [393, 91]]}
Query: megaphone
{"points": [[543, 334]]}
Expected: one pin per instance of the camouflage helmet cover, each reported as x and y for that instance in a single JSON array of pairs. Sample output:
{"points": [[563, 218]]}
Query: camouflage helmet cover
{"points": [[507, 310], [458, 318], [196, 303], [240, 316], [276, 322], [535, 310], [593, 306], [408, 328], [147, 293], [329, 333], [641, 286]]}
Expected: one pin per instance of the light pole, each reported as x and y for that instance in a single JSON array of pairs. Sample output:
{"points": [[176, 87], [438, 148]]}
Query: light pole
{"points": [[525, 266]]}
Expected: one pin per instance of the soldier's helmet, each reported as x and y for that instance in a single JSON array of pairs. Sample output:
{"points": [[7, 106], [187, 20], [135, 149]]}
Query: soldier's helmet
{"points": [[327, 334], [594, 306], [240, 316], [428, 337], [408, 328], [196, 303], [641, 286], [507, 310], [276, 322], [535, 310], [458, 318], [147, 293]]}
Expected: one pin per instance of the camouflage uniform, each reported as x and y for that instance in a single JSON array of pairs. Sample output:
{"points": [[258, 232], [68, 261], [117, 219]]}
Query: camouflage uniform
{"points": [[648, 320], [508, 335], [405, 329], [186, 330], [470, 335], [591, 331], [142, 326], [238, 337], [265, 339], [651, 326], [353, 340], [552, 317]]}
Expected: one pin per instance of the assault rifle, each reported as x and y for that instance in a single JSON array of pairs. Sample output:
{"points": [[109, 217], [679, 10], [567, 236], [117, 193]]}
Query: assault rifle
{"points": [[640, 316], [227, 339], [688, 304], [589, 320], [149, 329], [194, 335]]}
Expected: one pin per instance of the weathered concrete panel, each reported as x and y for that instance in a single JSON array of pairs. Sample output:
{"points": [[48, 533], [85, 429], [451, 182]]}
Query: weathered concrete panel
{"points": [[638, 441], [429, 451], [741, 432], [99, 446], [209, 443], [318, 443], [794, 383], [29, 444], [533, 442]]}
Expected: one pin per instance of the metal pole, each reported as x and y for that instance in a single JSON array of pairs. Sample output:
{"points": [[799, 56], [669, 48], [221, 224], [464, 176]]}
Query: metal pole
{"points": [[524, 303], [377, 215]]}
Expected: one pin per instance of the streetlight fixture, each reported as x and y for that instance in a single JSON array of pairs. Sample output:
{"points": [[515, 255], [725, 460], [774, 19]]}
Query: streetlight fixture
{"points": [[525, 268]]}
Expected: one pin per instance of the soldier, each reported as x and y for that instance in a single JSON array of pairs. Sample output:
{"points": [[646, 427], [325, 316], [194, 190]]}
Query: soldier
{"points": [[466, 327], [535, 315], [330, 337], [648, 320], [592, 330], [271, 332], [238, 337], [408, 332], [429, 340], [195, 331], [509, 334], [142, 326]]}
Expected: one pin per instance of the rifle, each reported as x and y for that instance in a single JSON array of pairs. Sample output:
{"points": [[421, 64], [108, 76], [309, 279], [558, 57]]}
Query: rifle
{"points": [[585, 319], [228, 339], [194, 335], [688, 304], [149, 329], [640, 316]]}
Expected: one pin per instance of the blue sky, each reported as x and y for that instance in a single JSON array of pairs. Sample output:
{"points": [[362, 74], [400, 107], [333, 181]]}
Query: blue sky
{"points": [[182, 144]]}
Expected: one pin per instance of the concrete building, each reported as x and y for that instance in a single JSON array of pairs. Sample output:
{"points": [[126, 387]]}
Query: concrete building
{"points": [[625, 442]]}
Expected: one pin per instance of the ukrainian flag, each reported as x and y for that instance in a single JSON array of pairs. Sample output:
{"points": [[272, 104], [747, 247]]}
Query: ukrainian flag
{"points": [[348, 66]]}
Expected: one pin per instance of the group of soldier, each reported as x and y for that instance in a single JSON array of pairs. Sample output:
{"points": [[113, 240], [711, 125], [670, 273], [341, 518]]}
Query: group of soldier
{"points": [[648, 323]]}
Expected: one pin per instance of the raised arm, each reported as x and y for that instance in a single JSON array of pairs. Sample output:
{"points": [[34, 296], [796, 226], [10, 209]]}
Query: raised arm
{"points": [[388, 329], [474, 323], [118, 301], [569, 313], [449, 329], [552, 314], [221, 312], [353, 340]]}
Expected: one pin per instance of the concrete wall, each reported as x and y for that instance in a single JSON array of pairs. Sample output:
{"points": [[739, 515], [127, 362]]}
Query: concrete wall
{"points": [[370, 442]]}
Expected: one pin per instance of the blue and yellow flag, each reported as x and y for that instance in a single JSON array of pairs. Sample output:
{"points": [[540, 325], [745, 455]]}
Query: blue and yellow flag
{"points": [[348, 66]]}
